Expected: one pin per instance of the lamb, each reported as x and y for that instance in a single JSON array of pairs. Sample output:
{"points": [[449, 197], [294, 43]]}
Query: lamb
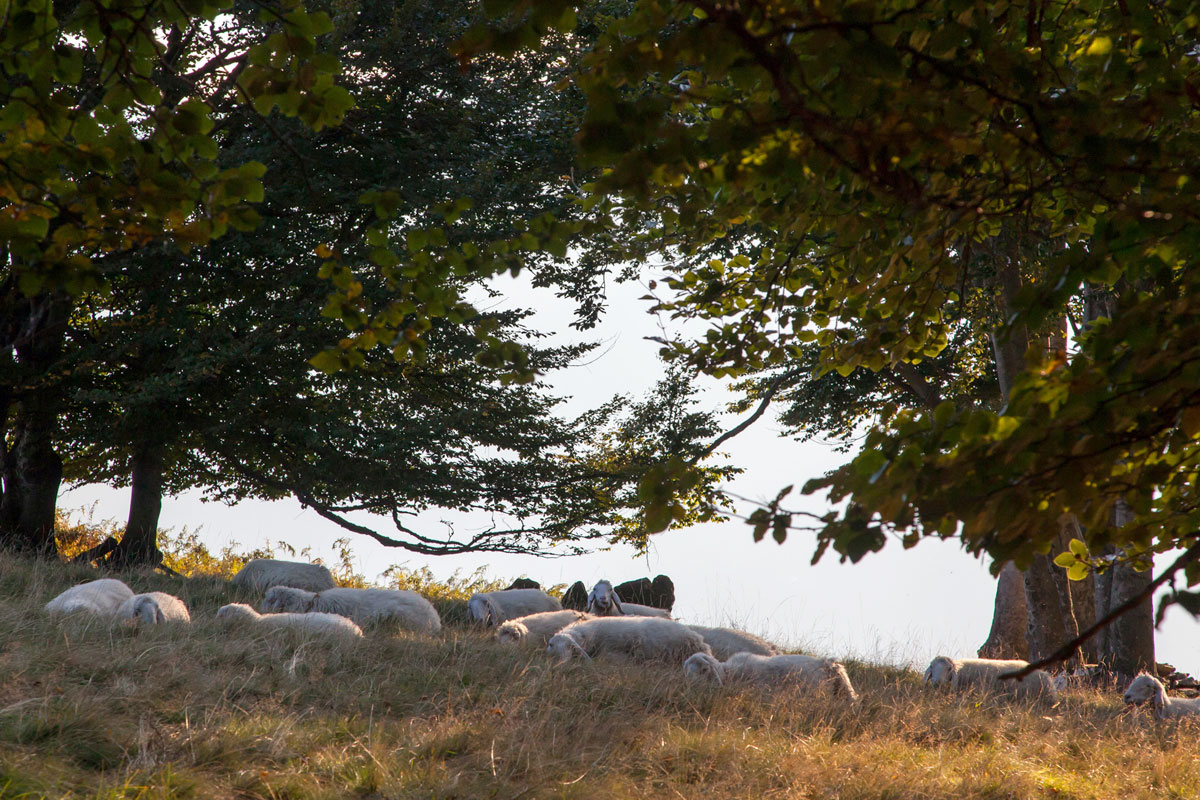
{"points": [[537, 628], [1147, 688], [751, 667], [641, 638], [260, 574], [726, 641], [364, 606], [314, 622], [153, 608], [102, 597], [984, 673], [496, 608]]}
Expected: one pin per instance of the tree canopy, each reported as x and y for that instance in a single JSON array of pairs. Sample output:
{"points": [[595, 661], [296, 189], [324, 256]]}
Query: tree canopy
{"points": [[826, 178]]}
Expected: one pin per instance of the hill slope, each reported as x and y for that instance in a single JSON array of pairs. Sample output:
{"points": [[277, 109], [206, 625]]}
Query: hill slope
{"points": [[89, 709]]}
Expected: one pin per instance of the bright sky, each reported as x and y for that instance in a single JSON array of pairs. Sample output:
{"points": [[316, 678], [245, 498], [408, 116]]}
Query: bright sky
{"points": [[897, 606]]}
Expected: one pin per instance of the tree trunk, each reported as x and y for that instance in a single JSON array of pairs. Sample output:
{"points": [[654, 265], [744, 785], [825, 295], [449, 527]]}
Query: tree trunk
{"points": [[1126, 646], [1048, 599], [1083, 597], [32, 467], [1009, 618], [139, 545]]}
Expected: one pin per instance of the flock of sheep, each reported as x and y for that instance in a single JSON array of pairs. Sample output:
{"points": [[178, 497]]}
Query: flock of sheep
{"points": [[303, 597]]}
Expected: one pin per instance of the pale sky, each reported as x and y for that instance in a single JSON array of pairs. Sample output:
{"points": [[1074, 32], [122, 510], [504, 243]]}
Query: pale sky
{"points": [[896, 606]]}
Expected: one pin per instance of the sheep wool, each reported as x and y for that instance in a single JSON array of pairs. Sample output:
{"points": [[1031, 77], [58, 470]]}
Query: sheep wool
{"points": [[754, 668], [102, 597], [315, 622], [496, 608], [962, 674], [153, 608], [364, 606], [727, 641], [640, 638], [537, 628], [261, 574]]}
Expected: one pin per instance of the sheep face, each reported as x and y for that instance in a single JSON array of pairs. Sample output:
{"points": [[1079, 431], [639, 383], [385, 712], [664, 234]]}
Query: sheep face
{"points": [[940, 672], [565, 648], [281, 599], [1146, 688], [702, 666], [146, 611], [511, 632], [839, 680], [603, 600]]}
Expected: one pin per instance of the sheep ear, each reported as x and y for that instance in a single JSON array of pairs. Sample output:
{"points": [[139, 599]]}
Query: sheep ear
{"points": [[617, 602], [158, 616]]}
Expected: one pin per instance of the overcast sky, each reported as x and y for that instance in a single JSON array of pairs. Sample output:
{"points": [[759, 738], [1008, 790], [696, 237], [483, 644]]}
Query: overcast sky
{"points": [[897, 606]]}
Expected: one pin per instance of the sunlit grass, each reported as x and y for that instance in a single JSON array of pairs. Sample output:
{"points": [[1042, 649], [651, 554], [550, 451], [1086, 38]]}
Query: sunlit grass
{"points": [[88, 709]]}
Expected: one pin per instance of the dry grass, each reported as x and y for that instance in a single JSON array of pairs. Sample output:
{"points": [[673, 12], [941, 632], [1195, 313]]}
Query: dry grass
{"points": [[92, 710]]}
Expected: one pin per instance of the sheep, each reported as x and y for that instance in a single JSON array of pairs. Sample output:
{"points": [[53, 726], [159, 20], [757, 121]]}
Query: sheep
{"points": [[751, 667], [261, 574], [725, 642], [984, 673], [364, 606], [1147, 688], [314, 622], [496, 608], [103, 597], [639, 610], [153, 608], [641, 638], [537, 628], [603, 600]]}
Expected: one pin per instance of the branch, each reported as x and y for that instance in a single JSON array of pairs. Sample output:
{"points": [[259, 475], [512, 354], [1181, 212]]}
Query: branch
{"points": [[758, 412], [1068, 649]]}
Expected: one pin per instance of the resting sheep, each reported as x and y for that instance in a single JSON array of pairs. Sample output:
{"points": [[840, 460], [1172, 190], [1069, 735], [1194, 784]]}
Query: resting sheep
{"points": [[1147, 688], [102, 597], [726, 641], [364, 606], [261, 574], [984, 673], [537, 628], [496, 608], [315, 622], [641, 638], [753, 668], [603, 600], [153, 608]]}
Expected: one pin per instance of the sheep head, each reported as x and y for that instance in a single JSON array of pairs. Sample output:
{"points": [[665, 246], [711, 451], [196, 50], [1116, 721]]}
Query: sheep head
{"points": [[602, 600], [566, 648], [1146, 688], [835, 674], [512, 631], [237, 611], [704, 666], [146, 610], [281, 599], [940, 671]]}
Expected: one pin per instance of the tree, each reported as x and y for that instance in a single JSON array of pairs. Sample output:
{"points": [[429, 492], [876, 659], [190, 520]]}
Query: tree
{"points": [[98, 159], [857, 155]]}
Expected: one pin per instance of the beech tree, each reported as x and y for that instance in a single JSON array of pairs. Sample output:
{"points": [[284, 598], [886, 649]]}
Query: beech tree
{"points": [[826, 176]]}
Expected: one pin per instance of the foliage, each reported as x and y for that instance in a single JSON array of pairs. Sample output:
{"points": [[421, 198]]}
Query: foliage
{"points": [[94, 710], [850, 158]]}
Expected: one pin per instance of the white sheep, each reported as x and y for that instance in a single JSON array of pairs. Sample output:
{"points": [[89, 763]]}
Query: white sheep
{"points": [[984, 673], [641, 638], [364, 606], [153, 608], [261, 574], [496, 608], [537, 628], [603, 600], [1147, 688], [726, 641], [102, 597], [638, 610], [754, 668], [314, 622]]}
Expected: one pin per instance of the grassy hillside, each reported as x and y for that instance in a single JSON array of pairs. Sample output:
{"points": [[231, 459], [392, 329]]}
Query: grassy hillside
{"points": [[88, 709]]}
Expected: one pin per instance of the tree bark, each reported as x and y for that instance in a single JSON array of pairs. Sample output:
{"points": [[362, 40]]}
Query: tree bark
{"points": [[32, 467], [139, 545], [1049, 602], [1007, 637], [1127, 646]]}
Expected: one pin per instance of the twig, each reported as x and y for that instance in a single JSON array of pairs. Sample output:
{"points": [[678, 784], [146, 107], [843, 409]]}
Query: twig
{"points": [[1068, 649]]}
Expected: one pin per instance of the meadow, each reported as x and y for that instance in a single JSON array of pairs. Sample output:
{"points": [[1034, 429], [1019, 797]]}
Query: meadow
{"points": [[89, 709]]}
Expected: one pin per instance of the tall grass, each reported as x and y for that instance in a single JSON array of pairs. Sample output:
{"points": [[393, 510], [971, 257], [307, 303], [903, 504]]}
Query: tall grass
{"points": [[89, 709]]}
